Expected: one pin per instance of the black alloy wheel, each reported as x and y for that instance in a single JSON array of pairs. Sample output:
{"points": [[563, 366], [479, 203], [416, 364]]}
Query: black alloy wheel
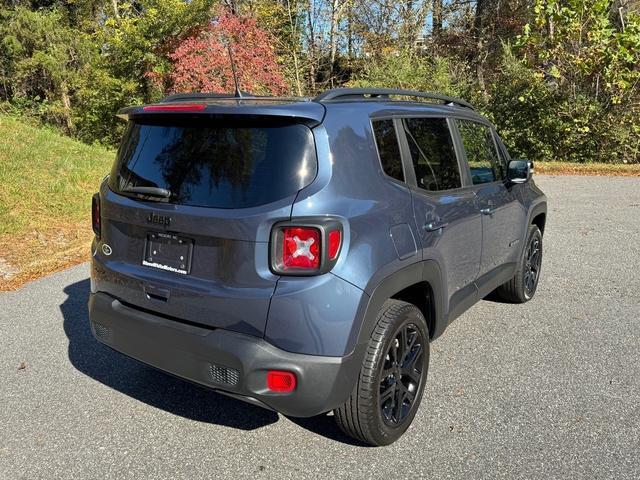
{"points": [[524, 283], [391, 382], [401, 375], [533, 259]]}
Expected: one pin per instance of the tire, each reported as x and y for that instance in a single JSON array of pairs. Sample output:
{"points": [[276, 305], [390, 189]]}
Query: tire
{"points": [[522, 287], [367, 415]]}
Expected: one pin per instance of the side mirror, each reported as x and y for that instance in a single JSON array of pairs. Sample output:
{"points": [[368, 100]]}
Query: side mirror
{"points": [[519, 171]]}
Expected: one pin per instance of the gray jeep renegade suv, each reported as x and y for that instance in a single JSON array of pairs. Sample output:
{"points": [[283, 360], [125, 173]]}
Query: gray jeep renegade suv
{"points": [[301, 254]]}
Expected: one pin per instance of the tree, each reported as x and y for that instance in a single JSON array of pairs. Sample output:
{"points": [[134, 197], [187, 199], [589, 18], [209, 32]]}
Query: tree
{"points": [[201, 62], [42, 63], [136, 42], [583, 77]]}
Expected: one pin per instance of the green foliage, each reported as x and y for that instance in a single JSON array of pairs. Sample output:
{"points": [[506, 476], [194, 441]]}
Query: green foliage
{"points": [[98, 99], [566, 88], [284, 21], [575, 42], [530, 113], [134, 48], [42, 62], [576, 79], [138, 40], [540, 120], [410, 71], [58, 66]]}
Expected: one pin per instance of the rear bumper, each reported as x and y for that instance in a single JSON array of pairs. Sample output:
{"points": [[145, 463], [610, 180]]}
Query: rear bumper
{"points": [[230, 362]]}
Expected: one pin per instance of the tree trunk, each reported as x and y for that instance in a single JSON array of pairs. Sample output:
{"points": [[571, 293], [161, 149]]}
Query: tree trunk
{"points": [[294, 46], [116, 12], [66, 104], [350, 34], [333, 38], [436, 27], [312, 48], [479, 29]]}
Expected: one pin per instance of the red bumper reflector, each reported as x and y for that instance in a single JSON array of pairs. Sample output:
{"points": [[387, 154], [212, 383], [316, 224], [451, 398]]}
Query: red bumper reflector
{"points": [[335, 239], [281, 381], [181, 107]]}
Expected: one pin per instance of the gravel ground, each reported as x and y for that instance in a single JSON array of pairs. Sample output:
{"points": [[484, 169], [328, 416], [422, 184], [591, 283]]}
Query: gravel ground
{"points": [[550, 389]]}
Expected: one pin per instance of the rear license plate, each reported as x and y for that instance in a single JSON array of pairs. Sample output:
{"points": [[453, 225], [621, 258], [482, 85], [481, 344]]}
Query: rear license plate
{"points": [[168, 252]]}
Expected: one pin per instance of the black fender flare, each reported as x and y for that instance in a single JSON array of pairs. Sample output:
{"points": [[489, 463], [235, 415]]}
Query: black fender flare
{"points": [[425, 271], [535, 210]]}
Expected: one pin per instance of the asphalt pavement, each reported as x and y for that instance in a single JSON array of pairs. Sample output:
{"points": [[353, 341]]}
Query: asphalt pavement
{"points": [[549, 389]]}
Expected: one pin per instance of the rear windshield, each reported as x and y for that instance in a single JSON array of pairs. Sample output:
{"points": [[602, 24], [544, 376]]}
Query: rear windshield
{"points": [[221, 166]]}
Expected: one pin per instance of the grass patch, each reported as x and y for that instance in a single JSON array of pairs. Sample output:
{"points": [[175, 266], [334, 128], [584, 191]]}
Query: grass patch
{"points": [[564, 168], [46, 182]]}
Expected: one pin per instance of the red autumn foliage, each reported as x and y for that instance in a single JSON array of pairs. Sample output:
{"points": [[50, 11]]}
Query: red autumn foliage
{"points": [[201, 62]]}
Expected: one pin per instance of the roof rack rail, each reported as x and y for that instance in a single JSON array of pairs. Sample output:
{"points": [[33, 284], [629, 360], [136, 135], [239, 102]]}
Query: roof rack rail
{"points": [[179, 97], [375, 93]]}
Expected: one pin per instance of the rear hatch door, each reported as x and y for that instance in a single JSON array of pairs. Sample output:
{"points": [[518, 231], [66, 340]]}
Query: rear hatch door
{"points": [[188, 209]]}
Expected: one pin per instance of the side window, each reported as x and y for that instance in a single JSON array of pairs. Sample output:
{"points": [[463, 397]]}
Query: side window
{"points": [[432, 153], [485, 165], [388, 148]]}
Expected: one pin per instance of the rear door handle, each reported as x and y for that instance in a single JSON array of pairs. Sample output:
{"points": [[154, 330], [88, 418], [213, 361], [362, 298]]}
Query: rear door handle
{"points": [[434, 226], [486, 211]]}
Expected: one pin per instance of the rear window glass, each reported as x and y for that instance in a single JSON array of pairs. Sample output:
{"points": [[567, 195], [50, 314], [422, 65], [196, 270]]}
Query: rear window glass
{"points": [[220, 166]]}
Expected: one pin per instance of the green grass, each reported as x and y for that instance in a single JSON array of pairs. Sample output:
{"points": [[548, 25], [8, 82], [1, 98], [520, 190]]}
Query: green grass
{"points": [[46, 183], [45, 178]]}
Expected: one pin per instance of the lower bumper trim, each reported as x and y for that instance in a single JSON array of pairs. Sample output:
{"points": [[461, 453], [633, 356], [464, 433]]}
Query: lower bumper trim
{"points": [[232, 363]]}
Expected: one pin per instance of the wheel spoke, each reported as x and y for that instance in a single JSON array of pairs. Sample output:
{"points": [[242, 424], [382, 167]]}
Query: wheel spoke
{"points": [[403, 344], [393, 353], [400, 394], [413, 337], [413, 374], [412, 341], [410, 396], [412, 357], [387, 394]]}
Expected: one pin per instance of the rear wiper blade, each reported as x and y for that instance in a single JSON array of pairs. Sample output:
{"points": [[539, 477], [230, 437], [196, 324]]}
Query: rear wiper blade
{"points": [[149, 191]]}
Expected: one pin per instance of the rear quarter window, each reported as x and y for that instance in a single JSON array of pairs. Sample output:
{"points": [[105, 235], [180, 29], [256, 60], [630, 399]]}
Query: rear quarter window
{"points": [[388, 148], [216, 165]]}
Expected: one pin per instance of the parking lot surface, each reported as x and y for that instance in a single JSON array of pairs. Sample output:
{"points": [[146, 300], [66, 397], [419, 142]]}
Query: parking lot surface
{"points": [[550, 389]]}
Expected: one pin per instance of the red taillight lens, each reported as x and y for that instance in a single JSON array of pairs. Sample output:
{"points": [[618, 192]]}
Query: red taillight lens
{"points": [[281, 381], [307, 246], [181, 107], [301, 248], [95, 215], [335, 240]]}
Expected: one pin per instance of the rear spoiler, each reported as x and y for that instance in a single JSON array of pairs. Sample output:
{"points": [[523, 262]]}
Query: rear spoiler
{"points": [[201, 106]]}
